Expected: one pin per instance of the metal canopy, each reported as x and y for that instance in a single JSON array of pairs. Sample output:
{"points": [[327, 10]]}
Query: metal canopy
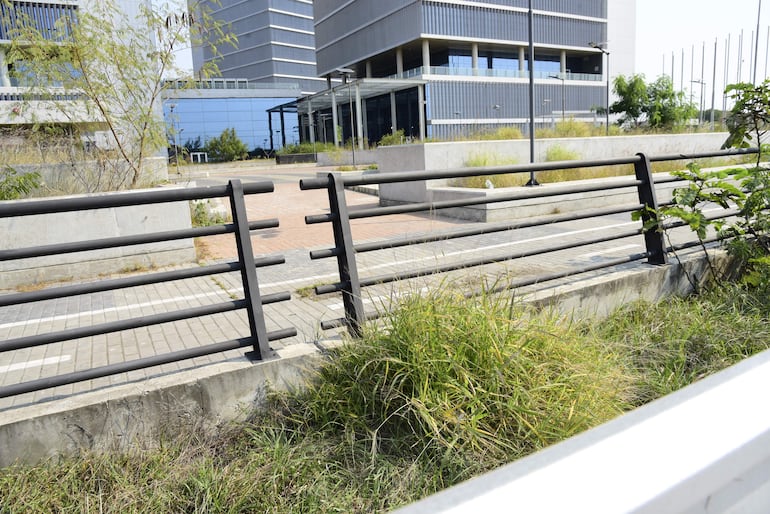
{"points": [[344, 93], [352, 93]]}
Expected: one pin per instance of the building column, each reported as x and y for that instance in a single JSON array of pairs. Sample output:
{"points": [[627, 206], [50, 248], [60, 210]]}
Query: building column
{"points": [[425, 57], [368, 69], [328, 82], [393, 113], [421, 109], [399, 61], [310, 123], [5, 80], [335, 118], [283, 129], [522, 60], [475, 57], [359, 119], [270, 128], [563, 65]]}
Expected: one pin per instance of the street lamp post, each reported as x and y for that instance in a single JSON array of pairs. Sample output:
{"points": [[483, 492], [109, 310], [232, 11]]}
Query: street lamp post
{"points": [[171, 108], [700, 102], [563, 93], [603, 50], [346, 74]]}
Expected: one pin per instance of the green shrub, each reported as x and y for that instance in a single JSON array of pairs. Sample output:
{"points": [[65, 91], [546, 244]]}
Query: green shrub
{"points": [[396, 138], [14, 186], [227, 147]]}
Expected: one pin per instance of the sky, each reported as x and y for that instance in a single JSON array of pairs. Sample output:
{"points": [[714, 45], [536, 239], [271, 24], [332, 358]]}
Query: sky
{"points": [[666, 26]]}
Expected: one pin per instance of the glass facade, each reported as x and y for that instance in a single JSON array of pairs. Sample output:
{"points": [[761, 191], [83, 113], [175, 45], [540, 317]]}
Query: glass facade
{"points": [[206, 118]]}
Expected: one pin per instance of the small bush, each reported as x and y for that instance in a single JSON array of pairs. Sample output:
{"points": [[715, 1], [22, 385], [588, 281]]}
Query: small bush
{"points": [[501, 134], [203, 214]]}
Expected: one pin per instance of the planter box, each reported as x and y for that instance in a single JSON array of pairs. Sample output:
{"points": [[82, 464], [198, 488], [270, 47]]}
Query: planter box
{"points": [[295, 158]]}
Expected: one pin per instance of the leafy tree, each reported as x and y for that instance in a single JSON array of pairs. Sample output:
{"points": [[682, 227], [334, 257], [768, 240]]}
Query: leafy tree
{"points": [[666, 108], [656, 103], [632, 98], [227, 147], [116, 69]]}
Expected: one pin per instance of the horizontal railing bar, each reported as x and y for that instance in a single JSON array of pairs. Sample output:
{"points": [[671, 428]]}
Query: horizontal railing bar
{"points": [[413, 176], [125, 199], [147, 362], [393, 277], [491, 260], [139, 280], [133, 323], [481, 200], [704, 155], [112, 242], [490, 228], [117, 326], [340, 322], [523, 282]]}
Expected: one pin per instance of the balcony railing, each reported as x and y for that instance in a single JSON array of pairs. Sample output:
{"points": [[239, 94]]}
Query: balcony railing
{"points": [[19, 94], [484, 72]]}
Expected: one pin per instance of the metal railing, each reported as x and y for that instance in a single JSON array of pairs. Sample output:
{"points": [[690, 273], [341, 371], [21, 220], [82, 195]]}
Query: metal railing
{"points": [[258, 337], [500, 73], [350, 284]]}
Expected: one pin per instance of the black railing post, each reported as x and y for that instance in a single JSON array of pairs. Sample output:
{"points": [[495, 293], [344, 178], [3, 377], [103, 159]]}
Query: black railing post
{"points": [[346, 256], [249, 274], [653, 239]]}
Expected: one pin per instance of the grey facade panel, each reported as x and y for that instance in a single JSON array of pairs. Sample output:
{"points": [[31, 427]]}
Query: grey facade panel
{"points": [[497, 100], [592, 8], [464, 21], [364, 39]]}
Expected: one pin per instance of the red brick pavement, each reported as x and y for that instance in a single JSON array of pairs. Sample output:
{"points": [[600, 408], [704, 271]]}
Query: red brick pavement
{"points": [[290, 205]]}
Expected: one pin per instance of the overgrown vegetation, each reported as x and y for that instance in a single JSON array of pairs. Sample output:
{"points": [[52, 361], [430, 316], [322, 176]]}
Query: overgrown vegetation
{"points": [[452, 388], [307, 147], [747, 190]]}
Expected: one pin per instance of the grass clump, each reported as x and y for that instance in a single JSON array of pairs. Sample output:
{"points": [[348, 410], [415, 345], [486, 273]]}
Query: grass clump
{"points": [[461, 378], [486, 160]]}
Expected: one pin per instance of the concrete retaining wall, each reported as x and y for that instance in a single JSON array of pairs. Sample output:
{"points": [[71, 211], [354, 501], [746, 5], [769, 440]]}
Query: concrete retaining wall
{"points": [[441, 156], [46, 229], [138, 414]]}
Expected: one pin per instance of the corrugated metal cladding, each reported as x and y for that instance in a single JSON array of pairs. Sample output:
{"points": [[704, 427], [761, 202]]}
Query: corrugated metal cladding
{"points": [[400, 26], [44, 16], [479, 22], [592, 8], [495, 100]]}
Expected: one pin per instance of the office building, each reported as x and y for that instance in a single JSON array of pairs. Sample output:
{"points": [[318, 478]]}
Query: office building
{"points": [[448, 68], [276, 42]]}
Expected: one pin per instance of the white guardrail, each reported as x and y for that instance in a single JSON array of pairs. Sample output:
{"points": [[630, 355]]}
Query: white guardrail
{"points": [[703, 449]]}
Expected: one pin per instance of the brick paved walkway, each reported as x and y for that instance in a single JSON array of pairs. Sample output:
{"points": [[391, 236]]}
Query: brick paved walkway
{"points": [[292, 239]]}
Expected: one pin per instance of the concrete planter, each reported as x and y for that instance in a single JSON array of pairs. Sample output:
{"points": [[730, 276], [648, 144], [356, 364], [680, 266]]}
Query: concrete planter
{"points": [[295, 158]]}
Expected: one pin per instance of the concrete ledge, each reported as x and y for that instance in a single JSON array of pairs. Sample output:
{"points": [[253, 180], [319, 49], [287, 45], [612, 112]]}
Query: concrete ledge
{"points": [[137, 414], [46, 229]]}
